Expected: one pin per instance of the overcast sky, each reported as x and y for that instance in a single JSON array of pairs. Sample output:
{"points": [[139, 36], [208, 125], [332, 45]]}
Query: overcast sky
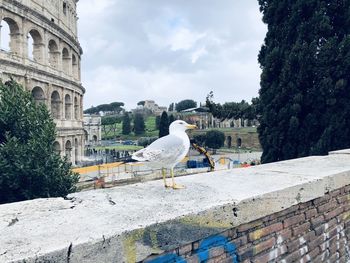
{"points": [[169, 50]]}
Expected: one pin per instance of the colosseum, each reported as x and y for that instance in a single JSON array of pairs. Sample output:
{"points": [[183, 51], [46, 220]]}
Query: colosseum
{"points": [[40, 50]]}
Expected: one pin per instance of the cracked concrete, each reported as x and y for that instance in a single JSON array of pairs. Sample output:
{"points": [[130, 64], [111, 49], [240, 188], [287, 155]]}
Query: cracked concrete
{"points": [[128, 223]]}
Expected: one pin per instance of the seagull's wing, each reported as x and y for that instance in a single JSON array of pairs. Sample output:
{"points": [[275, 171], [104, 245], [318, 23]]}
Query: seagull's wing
{"points": [[167, 149]]}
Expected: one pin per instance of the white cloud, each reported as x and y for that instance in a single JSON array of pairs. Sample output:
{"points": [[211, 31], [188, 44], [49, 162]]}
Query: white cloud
{"points": [[197, 54], [169, 50]]}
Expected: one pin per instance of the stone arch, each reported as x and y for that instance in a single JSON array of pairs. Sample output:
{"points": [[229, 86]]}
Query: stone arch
{"points": [[11, 35], [67, 107], [35, 45], [57, 147], [53, 53], [229, 141], [65, 60], [76, 108], [68, 150], [38, 94], [75, 67], [55, 105], [239, 142]]}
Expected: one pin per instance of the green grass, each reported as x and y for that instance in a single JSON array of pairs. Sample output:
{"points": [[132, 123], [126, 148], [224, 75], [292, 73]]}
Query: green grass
{"points": [[150, 131]]}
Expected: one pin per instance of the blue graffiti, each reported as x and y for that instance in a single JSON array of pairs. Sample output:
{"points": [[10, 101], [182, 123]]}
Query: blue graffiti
{"points": [[202, 252], [216, 241], [168, 258]]}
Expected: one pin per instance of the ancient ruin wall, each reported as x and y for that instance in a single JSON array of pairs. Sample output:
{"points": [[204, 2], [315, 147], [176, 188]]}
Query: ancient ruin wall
{"points": [[291, 211]]}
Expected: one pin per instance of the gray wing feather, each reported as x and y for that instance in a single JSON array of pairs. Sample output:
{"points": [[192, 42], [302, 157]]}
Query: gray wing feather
{"points": [[166, 149]]}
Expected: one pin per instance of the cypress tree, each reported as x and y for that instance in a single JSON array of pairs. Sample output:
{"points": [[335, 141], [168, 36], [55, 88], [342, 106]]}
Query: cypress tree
{"points": [[164, 125], [139, 124], [305, 84], [126, 127]]}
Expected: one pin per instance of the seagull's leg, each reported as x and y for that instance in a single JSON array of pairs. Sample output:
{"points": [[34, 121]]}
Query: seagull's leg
{"points": [[175, 186], [164, 174]]}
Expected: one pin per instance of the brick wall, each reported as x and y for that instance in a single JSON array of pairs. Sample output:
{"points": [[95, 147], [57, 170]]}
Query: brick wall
{"points": [[315, 231]]}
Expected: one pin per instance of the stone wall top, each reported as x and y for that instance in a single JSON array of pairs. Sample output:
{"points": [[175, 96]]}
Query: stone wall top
{"points": [[109, 225]]}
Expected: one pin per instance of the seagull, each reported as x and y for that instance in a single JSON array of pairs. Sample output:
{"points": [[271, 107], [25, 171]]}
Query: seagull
{"points": [[167, 151]]}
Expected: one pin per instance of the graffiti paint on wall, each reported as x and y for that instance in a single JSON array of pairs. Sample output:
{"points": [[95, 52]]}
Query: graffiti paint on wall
{"points": [[203, 251]]}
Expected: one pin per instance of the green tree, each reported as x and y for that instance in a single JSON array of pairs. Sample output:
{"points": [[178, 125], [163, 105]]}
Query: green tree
{"points": [[304, 98], [29, 166], [185, 104], [214, 139], [164, 125], [171, 118], [139, 124], [157, 120], [126, 126], [171, 107]]}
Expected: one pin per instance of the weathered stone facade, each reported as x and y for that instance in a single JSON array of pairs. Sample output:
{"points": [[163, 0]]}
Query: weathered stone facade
{"points": [[92, 129], [44, 56]]}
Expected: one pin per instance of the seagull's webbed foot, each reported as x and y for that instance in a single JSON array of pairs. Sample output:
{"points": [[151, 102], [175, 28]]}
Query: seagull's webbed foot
{"points": [[167, 185], [178, 186]]}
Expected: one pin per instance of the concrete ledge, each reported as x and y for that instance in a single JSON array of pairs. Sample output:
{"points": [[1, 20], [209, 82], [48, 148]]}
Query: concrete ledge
{"points": [[129, 223]]}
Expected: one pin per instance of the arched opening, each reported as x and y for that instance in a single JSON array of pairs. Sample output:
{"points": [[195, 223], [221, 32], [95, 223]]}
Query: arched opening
{"points": [[94, 138], [239, 142], [76, 108], [76, 150], [53, 54], [55, 105], [65, 60], [86, 134], [229, 141], [67, 107], [75, 67], [9, 35], [57, 147], [38, 95], [68, 150], [35, 45]]}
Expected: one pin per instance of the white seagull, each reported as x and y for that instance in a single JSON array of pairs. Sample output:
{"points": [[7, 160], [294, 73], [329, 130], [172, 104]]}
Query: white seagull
{"points": [[167, 151]]}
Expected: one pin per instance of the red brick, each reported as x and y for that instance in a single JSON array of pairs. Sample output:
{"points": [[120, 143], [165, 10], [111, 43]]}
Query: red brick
{"points": [[293, 245], [257, 234], [240, 241], [321, 200], [293, 220], [317, 221], [316, 242], [262, 246], [285, 234], [335, 193], [245, 227], [270, 255], [185, 249], [343, 199], [292, 257], [301, 229], [193, 259], [327, 206], [310, 213], [216, 252], [333, 213], [310, 255], [305, 205]]}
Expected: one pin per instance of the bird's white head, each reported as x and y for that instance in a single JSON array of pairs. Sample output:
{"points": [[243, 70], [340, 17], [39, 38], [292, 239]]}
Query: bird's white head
{"points": [[180, 125]]}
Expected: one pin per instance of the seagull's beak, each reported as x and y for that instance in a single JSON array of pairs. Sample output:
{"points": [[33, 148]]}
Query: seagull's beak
{"points": [[191, 127]]}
